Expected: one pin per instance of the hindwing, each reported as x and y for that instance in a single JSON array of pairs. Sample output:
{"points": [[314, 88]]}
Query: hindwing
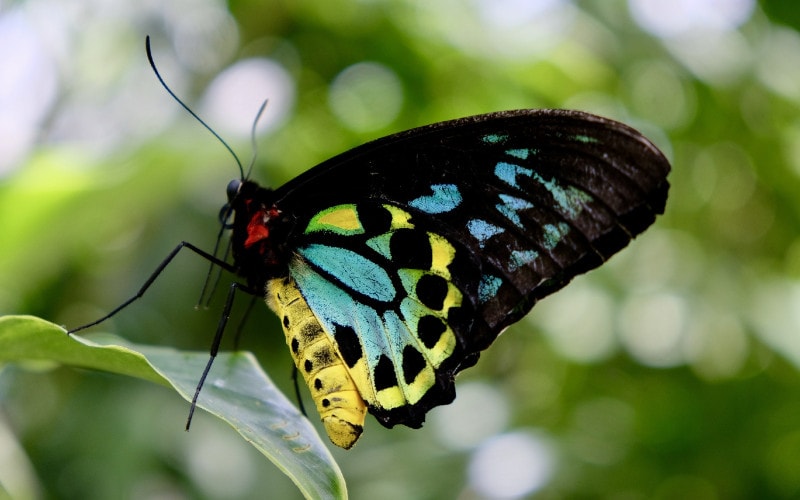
{"points": [[392, 296]]}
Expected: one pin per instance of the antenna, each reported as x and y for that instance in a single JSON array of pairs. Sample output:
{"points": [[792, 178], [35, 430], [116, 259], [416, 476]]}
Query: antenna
{"points": [[163, 84], [253, 138]]}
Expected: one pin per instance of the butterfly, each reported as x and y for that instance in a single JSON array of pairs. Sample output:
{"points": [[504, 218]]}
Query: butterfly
{"points": [[393, 265]]}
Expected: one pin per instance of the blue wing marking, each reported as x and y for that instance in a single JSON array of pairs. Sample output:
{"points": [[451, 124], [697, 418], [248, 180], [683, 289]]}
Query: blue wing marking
{"points": [[522, 154], [333, 306], [382, 244], [445, 198], [353, 270], [511, 207], [570, 199], [488, 287], [482, 230], [554, 233], [508, 172], [494, 138], [521, 258], [381, 335]]}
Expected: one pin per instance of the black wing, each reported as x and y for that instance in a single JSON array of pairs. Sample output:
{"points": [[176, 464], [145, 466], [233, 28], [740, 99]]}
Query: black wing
{"points": [[567, 187]]}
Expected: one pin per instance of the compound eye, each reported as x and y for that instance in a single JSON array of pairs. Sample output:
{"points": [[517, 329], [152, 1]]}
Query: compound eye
{"points": [[233, 189]]}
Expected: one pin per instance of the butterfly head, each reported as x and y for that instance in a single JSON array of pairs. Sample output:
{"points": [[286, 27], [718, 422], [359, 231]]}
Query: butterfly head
{"points": [[259, 228]]}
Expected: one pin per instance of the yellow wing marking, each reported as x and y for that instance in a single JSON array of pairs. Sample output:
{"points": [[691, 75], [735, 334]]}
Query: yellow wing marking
{"points": [[341, 219]]}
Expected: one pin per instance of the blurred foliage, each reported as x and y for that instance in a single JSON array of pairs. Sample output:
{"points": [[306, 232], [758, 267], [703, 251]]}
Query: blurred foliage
{"points": [[670, 372]]}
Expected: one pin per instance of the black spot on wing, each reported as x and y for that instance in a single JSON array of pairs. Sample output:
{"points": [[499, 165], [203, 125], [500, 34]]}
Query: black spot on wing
{"points": [[431, 291], [374, 218], [384, 374], [413, 363], [411, 249], [348, 344], [430, 330]]}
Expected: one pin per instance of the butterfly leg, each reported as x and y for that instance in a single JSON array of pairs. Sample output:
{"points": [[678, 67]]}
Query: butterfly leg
{"points": [[242, 321], [223, 320], [152, 278]]}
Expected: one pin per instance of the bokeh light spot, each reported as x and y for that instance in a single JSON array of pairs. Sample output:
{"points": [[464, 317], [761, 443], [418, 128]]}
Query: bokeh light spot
{"points": [[652, 329], [512, 465], [687, 25], [366, 96], [778, 62], [219, 466], [28, 86], [660, 96], [729, 170], [233, 98], [775, 314], [506, 28], [587, 336], [717, 345], [479, 411], [510, 13], [675, 17], [205, 35], [791, 144], [725, 56]]}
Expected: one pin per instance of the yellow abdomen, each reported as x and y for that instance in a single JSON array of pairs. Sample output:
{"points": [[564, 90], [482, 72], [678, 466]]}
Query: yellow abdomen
{"points": [[340, 406]]}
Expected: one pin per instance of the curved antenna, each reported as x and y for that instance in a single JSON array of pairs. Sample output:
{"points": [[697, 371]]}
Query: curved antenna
{"points": [[253, 144], [163, 84]]}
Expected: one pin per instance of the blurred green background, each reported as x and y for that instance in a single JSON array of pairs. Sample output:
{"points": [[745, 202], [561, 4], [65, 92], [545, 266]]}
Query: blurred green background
{"points": [[671, 372]]}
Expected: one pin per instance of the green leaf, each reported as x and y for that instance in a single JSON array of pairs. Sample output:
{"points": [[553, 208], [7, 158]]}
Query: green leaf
{"points": [[237, 390]]}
